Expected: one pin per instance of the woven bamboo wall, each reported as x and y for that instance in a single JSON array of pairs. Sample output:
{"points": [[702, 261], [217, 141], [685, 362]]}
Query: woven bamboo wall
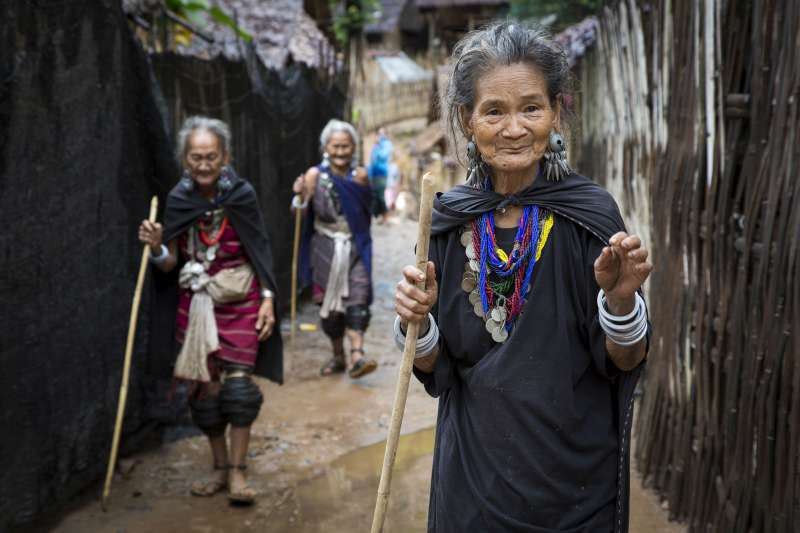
{"points": [[689, 115]]}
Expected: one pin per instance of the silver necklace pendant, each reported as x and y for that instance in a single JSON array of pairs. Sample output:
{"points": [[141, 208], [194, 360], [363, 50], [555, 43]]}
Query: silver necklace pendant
{"points": [[500, 335], [470, 251], [474, 297], [491, 326], [466, 238], [468, 282], [478, 309], [211, 253], [499, 314]]}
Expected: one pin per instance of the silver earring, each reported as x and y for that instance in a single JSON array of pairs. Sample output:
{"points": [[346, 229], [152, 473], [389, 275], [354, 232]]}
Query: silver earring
{"points": [[326, 159], [555, 158], [224, 182], [187, 184], [475, 173]]}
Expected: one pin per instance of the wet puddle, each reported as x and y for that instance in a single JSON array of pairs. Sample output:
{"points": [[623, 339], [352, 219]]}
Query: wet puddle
{"points": [[343, 497], [338, 498]]}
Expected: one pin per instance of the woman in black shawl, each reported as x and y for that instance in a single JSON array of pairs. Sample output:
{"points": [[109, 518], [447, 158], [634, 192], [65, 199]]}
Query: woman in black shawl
{"points": [[225, 320], [533, 331]]}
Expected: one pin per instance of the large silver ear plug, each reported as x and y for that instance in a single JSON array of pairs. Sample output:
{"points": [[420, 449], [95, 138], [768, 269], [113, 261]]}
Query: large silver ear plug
{"points": [[555, 157]]}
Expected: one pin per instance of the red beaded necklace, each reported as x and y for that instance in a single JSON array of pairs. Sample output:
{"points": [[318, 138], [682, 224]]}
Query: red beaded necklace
{"points": [[211, 241]]}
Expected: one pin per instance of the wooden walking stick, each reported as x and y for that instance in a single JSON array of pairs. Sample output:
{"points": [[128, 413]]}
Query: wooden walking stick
{"points": [[409, 351], [298, 221], [126, 367]]}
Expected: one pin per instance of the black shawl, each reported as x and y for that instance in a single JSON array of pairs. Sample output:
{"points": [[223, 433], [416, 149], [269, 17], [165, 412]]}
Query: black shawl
{"points": [[240, 202], [575, 199]]}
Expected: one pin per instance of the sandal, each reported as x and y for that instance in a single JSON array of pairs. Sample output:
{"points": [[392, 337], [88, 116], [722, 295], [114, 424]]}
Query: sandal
{"points": [[209, 486], [246, 495], [333, 366], [363, 366]]}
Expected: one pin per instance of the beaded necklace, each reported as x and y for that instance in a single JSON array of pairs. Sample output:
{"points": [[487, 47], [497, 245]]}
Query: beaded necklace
{"points": [[208, 232], [498, 283], [326, 183]]}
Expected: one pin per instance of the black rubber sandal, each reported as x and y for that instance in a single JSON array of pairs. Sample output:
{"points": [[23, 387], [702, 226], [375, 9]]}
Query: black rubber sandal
{"points": [[333, 366], [363, 366]]}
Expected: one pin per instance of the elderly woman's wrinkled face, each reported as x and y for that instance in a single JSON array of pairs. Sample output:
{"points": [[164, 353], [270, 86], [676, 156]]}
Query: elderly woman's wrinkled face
{"points": [[340, 149], [512, 117], [205, 157]]}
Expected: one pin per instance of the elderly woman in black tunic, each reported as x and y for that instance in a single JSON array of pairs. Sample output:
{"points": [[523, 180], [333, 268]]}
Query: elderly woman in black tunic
{"points": [[533, 331]]}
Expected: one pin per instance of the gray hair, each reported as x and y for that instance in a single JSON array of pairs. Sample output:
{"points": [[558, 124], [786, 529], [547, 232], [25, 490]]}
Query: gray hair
{"points": [[198, 122], [334, 126], [501, 43]]}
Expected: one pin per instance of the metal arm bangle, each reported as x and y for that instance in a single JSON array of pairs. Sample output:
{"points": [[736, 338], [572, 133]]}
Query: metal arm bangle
{"points": [[623, 330], [160, 258], [297, 203], [425, 345]]}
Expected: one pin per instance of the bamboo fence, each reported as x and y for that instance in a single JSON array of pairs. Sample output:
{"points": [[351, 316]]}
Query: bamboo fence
{"points": [[689, 115]]}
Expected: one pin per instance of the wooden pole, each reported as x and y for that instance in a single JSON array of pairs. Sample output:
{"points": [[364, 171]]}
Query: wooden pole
{"points": [[298, 220], [126, 368], [409, 350]]}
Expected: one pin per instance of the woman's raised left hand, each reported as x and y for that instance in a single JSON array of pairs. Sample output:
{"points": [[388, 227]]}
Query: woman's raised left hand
{"points": [[621, 269], [266, 319]]}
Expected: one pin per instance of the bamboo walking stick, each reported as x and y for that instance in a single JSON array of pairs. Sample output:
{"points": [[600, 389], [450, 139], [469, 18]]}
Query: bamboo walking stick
{"points": [[126, 367], [298, 220], [409, 351]]}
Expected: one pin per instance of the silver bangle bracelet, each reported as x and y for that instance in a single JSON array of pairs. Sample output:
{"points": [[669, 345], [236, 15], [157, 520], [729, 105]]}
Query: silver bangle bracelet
{"points": [[297, 204], [425, 345], [625, 330], [160, 258]]}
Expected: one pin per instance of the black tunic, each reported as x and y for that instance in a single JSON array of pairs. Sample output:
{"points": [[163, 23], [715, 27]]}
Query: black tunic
{"points": [[183, 208], [531, 434]]}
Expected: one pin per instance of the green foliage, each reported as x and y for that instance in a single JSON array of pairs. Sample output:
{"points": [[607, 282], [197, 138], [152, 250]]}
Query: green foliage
{"points": [[567, 12], [198, 12], [350, 17]]}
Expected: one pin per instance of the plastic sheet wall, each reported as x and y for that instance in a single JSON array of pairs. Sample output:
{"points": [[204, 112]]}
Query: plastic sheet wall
{"points": [[275, 120], [85, 141], [82, 149]]}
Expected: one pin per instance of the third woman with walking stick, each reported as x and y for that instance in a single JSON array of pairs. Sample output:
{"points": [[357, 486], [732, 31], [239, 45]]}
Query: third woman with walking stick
{"points": [[532, 327], [337, 247]]}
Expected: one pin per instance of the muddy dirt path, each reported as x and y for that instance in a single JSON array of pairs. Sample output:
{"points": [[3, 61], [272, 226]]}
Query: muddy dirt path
{"points": [[316, 449]]}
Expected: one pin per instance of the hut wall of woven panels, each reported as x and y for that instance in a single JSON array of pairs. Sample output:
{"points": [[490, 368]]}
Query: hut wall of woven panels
{"points": [[393, 87], [689, 115]]}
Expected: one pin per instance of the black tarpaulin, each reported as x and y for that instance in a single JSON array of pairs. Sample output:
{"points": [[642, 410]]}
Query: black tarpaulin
{"points": [[86, 132], [82, 149]]}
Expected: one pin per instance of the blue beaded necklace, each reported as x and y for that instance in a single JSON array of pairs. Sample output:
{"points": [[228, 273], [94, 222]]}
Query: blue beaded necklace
{"points": [[502, 302]]}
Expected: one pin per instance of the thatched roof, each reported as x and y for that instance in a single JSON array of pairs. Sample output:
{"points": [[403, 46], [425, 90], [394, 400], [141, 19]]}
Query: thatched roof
{"points": [[435, 4], [578, 38], [281, 31], [394, 14], [388, 16]]}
